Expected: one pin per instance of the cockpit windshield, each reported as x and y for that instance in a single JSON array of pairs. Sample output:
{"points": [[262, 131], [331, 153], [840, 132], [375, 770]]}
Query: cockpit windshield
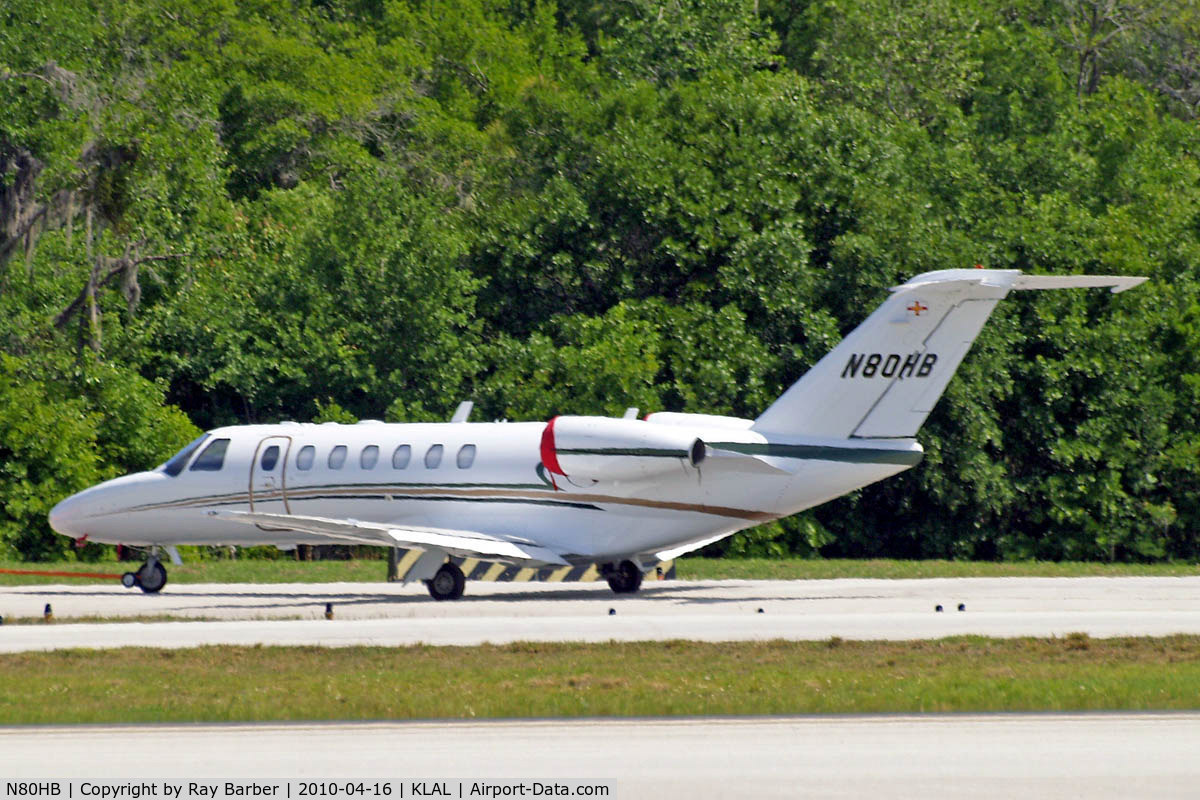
{"points": [[177, 462], [212, 458]]}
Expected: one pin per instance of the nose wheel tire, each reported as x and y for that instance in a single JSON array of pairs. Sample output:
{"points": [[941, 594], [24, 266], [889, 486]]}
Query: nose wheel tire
{"points": [[448, 583], [151, 577]]}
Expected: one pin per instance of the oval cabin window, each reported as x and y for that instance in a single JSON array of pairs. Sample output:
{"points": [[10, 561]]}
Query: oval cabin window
{"points": [[433, 457], [466, 456], [401, 457], [270, 458], [304, 459], [369, 457], [337, 457]]}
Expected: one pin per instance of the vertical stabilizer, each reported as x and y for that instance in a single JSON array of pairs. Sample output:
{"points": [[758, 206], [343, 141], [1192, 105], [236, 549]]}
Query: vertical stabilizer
{"points": [[885, 377]]}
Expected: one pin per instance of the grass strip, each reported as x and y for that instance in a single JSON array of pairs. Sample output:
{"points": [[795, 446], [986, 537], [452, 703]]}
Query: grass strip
{"points": [[372, 571], [214, 571], [598, 680]]}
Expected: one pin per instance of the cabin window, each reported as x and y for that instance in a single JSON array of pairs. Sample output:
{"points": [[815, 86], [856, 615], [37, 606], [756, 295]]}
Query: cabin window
{"points": [[433, 457], [337, 457], [401, 457], [177, 462], [270, 458], [369, 457], [213, 457], [466, 456], [304, 459]]}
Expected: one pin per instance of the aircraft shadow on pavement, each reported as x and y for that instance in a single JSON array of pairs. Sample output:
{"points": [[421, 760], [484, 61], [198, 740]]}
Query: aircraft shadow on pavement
{"points": [[680, 593], [307, 598]]}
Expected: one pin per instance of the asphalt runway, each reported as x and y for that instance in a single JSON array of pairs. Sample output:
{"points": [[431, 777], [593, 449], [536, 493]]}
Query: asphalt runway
{"points": [[979, 756], [388, 614]]}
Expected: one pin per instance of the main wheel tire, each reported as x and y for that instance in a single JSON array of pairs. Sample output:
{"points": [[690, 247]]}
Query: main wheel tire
{"points": [[626, 578], [448, 583], [151, 577]]}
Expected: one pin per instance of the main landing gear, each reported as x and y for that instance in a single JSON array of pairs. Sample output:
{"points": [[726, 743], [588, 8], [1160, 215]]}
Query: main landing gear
{"points": [[623, 578], [150, 577], [447, 583]]}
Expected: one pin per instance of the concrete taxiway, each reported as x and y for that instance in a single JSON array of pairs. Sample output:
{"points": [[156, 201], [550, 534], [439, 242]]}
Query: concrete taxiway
{"points": [[979, 756], [388, 614]]}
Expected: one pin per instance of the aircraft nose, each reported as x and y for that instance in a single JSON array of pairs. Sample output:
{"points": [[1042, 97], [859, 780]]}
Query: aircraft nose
{"points": [[66, 516], [87, 512]]}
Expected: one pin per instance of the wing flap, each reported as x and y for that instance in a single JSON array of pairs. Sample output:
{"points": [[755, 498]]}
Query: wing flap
{"points": [[468, 544]]}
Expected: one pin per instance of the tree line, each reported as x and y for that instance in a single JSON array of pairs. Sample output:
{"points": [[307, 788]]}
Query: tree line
{"points": [[233, 211]]}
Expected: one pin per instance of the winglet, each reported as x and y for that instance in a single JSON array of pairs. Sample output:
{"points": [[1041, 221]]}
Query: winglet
{"points": [[463, 411]]}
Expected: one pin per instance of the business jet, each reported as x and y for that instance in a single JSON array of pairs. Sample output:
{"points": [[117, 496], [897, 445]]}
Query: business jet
{"points": [[620, 493]]}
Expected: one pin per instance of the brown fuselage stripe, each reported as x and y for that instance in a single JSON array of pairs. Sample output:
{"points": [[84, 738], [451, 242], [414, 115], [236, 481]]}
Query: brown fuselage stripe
{"points": [[409, 494]]}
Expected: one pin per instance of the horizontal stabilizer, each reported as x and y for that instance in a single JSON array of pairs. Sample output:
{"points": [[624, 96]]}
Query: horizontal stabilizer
{"points": [[1119, 283], [468, 544]]}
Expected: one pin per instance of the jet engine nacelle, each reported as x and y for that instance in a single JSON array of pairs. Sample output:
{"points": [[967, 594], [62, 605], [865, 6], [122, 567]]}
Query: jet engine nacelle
{"points": [[607, 449]]}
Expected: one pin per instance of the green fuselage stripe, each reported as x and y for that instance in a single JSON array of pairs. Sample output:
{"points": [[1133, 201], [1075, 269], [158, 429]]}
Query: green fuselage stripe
{"points": [[845, 455], [623, 451]]}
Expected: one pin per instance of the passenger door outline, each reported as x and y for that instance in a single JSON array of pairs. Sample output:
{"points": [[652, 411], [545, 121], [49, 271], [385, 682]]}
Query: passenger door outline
{"points": [[268, 489]]}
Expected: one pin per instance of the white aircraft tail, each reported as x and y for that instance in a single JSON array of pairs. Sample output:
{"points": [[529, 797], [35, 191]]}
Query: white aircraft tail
{"points": [[885, 377]]}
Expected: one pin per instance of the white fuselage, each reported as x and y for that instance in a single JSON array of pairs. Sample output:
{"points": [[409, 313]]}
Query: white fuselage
{"points": [[489, 478]]}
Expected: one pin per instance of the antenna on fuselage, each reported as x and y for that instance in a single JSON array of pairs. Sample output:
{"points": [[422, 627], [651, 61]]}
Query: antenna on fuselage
{"points": [[631, 413], [463, 411]]}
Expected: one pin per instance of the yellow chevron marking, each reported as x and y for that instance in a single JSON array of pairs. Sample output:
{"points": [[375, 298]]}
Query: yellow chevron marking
{"points": [[558, 575], [407, 562], [525, 574]]}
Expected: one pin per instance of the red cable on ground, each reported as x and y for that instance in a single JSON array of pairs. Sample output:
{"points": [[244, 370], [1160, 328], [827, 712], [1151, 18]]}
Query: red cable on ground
{"points": [[60, 574]]}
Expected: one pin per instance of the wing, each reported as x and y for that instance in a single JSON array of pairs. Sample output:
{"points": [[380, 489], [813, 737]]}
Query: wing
{"points": [[675, 552], [468, 544]]}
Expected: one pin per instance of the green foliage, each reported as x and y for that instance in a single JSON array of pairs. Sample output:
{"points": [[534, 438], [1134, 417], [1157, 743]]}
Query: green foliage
{"points": [[685, 39], [62, 431], [45, 454], [330, 411], [237, 212]]}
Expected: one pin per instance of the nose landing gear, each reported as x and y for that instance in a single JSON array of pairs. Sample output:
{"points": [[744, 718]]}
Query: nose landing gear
{"points": [[150, 577]]}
